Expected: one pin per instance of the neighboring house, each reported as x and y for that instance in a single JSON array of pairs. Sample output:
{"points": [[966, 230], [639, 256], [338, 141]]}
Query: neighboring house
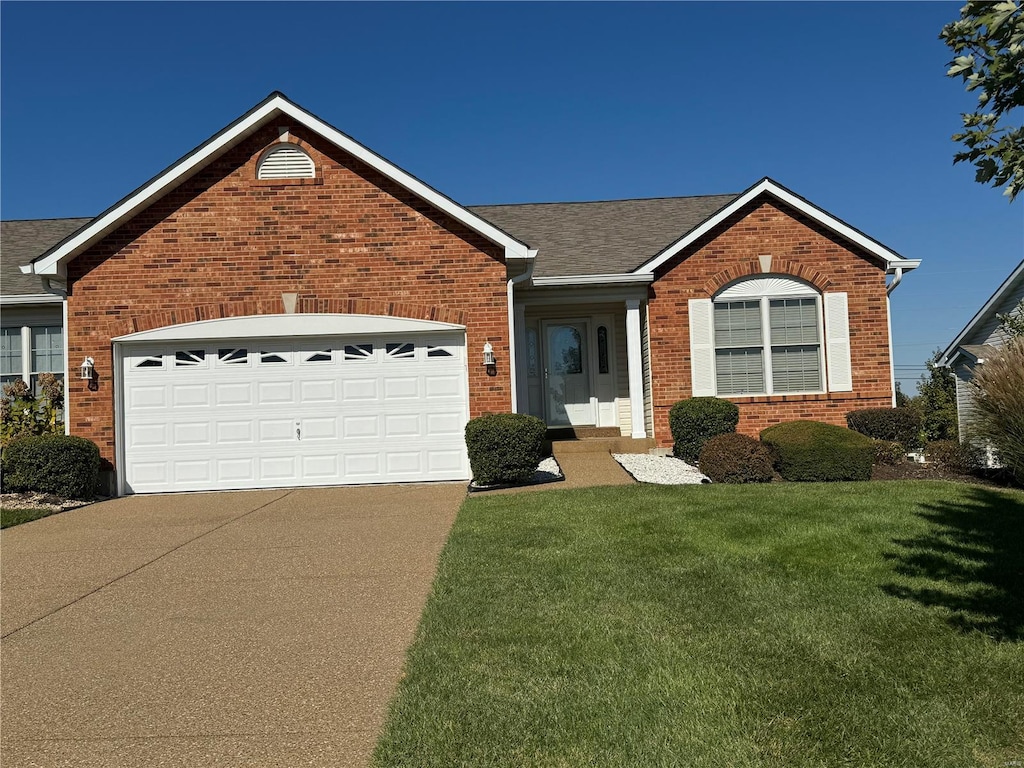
{"points": [[980, 339], [31, 313], [283, 306]]}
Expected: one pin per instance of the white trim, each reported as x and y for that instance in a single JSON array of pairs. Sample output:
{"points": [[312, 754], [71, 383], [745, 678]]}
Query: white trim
{"points": [[775, 287], [273, 107], [634, 369], [568, 280], [119, 453], [276, 326], [581, 295], [767, 186], [513, 338], [67, 366], [32, 298], [950, 353]]}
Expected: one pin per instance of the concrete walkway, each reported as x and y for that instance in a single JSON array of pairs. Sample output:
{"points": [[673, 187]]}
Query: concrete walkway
{"points": [[262, 628]]}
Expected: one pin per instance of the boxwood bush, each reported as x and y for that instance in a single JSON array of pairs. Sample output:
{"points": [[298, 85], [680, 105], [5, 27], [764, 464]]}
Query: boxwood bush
{"points": [[813, 451], [695, 421], [735, 458], [899, 425], [504, 448], [63, 465]]}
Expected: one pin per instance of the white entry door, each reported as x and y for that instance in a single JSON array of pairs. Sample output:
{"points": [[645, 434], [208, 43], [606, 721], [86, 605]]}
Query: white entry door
{"points": [[567, 374], [262, 413]]}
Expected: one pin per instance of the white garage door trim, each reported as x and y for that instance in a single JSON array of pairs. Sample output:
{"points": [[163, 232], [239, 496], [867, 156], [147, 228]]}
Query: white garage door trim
{"points": [[438, 347]]}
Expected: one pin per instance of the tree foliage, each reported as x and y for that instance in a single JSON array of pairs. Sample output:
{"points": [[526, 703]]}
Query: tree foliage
{"points": [[988, 43], [936, 402], [1012, 323]]}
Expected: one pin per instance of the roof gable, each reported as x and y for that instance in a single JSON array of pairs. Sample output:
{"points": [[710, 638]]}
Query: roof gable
{"points": [[983, 323], [273, 107], [766, 186]]}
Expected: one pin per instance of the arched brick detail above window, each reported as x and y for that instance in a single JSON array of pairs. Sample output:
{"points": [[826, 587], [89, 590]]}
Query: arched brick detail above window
{"points": [[153, 320], [753, 269]]}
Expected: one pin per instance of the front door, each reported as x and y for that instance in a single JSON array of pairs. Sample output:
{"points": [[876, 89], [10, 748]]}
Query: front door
{"points": [[567, 374]]}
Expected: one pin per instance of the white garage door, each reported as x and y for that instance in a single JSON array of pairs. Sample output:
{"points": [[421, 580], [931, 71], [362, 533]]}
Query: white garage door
{"points": [[219, 415]]}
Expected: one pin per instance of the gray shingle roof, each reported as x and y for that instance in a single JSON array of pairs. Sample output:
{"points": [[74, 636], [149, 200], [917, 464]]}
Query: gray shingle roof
{"points": [[606, 237], [594, 238], [20, 242]]}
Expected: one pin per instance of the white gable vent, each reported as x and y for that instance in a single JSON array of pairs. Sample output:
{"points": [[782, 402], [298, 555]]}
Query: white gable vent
{"points": [[286, 162]]}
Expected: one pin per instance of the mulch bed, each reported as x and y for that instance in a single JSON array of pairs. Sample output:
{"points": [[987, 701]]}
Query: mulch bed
{"points": [[910, 470]]}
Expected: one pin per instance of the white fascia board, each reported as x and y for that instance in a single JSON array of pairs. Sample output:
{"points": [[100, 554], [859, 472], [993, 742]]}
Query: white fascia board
{"points": [[905, 264], [982, 314], [34, 298], [164, 182], [569, 280], [767, 186], [276, 326]]}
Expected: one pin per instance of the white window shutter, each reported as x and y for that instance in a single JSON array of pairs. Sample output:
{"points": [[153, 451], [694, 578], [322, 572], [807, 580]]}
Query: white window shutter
{"points": [[702, 347], [837, 343]]}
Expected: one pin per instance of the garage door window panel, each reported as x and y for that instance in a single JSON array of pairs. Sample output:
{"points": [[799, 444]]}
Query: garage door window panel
{"points": [[233, 356]]}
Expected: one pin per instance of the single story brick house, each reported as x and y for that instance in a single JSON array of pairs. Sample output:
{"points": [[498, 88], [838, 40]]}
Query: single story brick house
{"points": [[283, 306]]}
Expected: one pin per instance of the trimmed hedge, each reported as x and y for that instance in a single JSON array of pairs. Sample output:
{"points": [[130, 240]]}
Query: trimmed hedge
{"points": [[63, 465], [505, 448], [899, 425], [735, 458], [695, 421], [810, 451]]}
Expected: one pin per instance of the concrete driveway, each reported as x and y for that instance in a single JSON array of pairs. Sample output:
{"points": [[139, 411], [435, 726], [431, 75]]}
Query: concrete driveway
{"points": [[263, 628]]}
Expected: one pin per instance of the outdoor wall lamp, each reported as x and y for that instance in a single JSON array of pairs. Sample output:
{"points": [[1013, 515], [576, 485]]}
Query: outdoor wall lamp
{"points": [[88, 373], [489, 362]]}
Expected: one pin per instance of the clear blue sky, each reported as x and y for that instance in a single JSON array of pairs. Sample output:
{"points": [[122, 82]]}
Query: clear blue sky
{"points": [[846, 104]]}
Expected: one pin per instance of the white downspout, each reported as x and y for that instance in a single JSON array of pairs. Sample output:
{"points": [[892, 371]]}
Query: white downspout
{"points": [[888, 319], [509, 289], [56, 286]]}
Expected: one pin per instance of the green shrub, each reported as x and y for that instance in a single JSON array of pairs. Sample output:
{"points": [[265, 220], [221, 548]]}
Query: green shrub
{"points": [[504, 447], [889, 452], [735, 458], [955, 456], [695, 421], [900, 425], [66, 466], [813, 451]]}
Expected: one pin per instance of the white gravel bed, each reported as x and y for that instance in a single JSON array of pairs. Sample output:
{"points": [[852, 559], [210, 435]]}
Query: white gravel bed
{"points": [[661, 470], [547, 471]]}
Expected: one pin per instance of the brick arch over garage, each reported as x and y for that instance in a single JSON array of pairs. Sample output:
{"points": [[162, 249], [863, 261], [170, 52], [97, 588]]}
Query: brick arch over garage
{"points": [[153, 320], [752, 268]]}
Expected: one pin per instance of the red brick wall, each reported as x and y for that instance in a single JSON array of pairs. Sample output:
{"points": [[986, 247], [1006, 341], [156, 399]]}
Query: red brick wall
{"points": [[225, 244], [800, 248]]}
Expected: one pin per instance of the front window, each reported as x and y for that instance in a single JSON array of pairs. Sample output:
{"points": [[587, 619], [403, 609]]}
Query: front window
{"points": [[47, 352], [767, 345], [10, 355]]}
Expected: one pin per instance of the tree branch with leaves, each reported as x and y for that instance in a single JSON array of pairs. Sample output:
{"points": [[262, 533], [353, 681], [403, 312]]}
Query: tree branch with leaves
{"points": [[988, 43]]}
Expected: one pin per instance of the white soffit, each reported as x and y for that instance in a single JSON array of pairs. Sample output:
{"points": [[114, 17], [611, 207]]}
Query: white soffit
{"points": [[271, 326], [767, 186], [568, 280], [270, 109]]}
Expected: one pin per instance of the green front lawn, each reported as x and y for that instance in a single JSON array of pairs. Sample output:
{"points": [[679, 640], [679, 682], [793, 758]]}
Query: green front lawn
{"points": [[9, 517], [867, 624]]}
